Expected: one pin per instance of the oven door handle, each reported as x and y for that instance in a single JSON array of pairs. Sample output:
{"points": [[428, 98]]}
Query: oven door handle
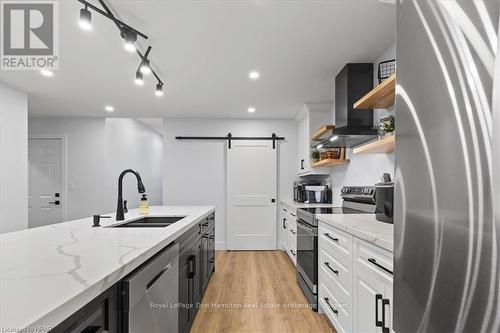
{"points": [[303, 225]]}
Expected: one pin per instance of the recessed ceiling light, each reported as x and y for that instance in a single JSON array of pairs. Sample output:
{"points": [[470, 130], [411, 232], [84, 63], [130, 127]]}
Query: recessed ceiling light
{"points": [[251, 109], [46, 72], [109, 108], [254, 75]]}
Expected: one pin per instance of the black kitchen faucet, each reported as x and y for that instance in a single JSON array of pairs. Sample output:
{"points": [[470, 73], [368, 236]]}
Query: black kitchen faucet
{"points": [[120, 215]]}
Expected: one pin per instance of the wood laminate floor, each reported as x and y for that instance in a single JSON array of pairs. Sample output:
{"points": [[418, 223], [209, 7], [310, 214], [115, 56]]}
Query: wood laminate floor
{"points": [[256, 291]]}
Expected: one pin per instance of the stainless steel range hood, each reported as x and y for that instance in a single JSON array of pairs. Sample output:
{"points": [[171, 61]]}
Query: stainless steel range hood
{"points": [[353, 127]]}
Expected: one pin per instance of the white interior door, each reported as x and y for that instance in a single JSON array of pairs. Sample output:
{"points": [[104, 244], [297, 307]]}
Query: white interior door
{"points": [[251, 195], [44, 182]]}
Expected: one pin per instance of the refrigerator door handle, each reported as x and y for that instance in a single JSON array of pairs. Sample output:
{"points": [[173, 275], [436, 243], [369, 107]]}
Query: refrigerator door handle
{"points": [[378, 323], [385, 302]]}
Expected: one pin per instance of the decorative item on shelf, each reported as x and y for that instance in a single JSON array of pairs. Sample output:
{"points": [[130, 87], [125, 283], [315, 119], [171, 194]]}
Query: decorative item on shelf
{"points": [[386, 69], [333, 154], [386, 126], [315, 155]]}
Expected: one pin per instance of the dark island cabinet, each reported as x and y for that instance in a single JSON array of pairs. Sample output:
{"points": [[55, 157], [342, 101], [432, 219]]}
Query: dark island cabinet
{"points": [[99, 315], [196, 265]]}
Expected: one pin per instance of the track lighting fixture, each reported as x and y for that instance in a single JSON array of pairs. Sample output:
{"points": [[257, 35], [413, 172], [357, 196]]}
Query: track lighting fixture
{"points": [[145, 66], [159, 89], [130, 37], [139, 78], [85, 19]]}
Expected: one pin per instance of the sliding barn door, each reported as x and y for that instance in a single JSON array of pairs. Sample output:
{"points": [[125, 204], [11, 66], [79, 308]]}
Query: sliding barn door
{"points": [[251, 195]]}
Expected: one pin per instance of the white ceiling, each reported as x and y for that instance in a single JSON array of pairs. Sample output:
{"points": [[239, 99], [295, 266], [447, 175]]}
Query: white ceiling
{"points": [[203, 51]]}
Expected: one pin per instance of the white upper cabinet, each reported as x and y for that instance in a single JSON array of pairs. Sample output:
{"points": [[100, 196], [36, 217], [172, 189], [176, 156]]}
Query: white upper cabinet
{"points": [[310, 118]]}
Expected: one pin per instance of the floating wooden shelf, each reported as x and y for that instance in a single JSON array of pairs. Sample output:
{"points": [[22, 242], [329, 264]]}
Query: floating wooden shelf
{"points": [[318, 136], [381, 97], [329, 163], [383, 146]]}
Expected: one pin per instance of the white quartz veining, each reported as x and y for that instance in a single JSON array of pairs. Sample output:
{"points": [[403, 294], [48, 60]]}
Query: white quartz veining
{"points": [[48, 273], [363, 226]]}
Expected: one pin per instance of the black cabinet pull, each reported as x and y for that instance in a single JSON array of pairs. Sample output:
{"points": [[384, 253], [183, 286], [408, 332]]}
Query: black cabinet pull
{"points": [[302, 164], [293, 231], [385, 302], [191, 266], [292, 252], [332, 238], [327, 264], [378, 323], [374, 262], [331, 307], [284, 223]]}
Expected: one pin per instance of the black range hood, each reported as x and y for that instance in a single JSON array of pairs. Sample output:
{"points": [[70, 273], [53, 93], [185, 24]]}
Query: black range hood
{"points": [[353, 127]]}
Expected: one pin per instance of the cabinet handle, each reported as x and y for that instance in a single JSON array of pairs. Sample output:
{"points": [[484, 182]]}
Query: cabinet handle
{"points": [[327, 264], [331, 307], [284, 223], [293, 231], [374, 262], [292, 252], [191, 266], [378, 323], [332, 238], [302, 164]]}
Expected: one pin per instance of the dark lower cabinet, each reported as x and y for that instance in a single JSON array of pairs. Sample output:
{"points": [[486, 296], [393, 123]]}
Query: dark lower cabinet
{"points": [[196, 265], [99, 315]]}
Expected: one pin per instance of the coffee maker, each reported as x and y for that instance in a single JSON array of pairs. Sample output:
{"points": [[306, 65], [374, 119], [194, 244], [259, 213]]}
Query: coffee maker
{"points": [[312, 191]]}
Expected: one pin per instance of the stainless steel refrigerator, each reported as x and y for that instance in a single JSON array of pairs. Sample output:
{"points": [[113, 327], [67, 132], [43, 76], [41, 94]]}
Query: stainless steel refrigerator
{"points": [[447, 225]]}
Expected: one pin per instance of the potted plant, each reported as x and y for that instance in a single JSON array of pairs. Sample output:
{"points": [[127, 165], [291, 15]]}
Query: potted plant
{"points": [[315, 155]]}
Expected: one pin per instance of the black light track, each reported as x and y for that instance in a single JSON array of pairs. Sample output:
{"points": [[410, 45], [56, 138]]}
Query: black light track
{"points": [[121, 25]]}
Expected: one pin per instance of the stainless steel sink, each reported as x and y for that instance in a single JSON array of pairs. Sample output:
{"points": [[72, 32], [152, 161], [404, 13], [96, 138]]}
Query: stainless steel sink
{"points": [[150, 222]]}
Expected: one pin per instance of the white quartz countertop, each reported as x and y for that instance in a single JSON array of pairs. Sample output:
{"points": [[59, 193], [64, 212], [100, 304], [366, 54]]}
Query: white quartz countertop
{"points": [[363, 226], [295, 205], [48, 273]]}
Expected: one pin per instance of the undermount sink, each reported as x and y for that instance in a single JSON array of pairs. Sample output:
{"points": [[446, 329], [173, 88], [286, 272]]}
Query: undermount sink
{"points": [[150, 222]]}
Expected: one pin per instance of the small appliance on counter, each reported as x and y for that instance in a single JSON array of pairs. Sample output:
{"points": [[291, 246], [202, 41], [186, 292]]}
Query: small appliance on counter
{"points": [[312, 191], [356, 200], [384, 197]]}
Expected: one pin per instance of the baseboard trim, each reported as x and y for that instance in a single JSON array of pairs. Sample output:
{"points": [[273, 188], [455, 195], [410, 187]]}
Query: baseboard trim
{"points": [[220, 245]]}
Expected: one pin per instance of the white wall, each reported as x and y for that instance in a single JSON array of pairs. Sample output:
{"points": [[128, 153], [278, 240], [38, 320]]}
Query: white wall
{"points": [[132, 145], [13, 159], [97, 150], [365, 169], [194, 172]]}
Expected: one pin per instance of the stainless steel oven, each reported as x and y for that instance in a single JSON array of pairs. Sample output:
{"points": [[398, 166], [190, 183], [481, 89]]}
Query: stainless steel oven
{"points": [[356, 200], [307, 259]]}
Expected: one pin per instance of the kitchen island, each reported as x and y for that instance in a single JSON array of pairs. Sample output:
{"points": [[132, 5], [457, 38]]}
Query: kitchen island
{"points": [[49, 273]]}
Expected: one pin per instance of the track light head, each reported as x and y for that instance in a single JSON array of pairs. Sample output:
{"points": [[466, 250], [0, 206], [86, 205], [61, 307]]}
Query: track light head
{"points": [[85, 19], [139, 78], [130, 37], [145, 66], [159, 89]]}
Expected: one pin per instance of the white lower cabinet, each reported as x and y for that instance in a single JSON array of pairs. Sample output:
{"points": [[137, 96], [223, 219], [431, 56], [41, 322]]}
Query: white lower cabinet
{"points": [[291, 225], [283, 231], [355, 282]]}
